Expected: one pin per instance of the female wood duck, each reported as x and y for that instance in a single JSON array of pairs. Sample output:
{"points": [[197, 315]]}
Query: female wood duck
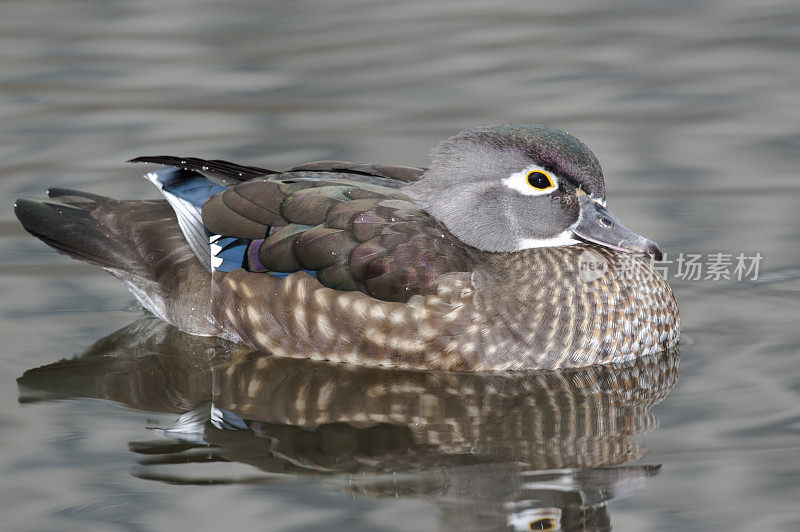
{"points": [[501, 256]]}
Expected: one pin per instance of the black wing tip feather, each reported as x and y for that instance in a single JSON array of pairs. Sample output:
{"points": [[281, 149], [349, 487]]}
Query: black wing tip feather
{"points": [[213, 167], [238, 172], [169, 160]]}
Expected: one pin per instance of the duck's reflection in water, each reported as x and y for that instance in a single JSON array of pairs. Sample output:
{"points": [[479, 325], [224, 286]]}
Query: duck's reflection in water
{"points": [[535, 451]]}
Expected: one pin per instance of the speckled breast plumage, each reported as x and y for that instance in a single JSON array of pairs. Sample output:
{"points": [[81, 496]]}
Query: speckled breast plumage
{"points": [[524, 310]]}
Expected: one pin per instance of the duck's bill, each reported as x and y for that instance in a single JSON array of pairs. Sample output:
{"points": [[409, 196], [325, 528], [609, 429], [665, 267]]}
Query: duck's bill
{"points": [[599, 225]]}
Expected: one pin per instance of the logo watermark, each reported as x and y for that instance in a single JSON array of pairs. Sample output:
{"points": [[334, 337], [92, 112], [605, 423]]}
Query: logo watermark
{"points": [[678, 266], [591, 266], [708, 267]]}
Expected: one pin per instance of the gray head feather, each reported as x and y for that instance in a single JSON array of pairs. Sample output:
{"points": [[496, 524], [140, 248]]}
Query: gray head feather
{"points": [[464, 187]]}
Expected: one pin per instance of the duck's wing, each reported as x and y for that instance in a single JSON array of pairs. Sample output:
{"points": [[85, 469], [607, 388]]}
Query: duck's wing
{"points": [[350, 234], [348, 224]]}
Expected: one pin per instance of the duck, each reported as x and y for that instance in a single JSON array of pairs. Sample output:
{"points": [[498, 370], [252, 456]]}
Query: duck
{"points": [[500, 256]]}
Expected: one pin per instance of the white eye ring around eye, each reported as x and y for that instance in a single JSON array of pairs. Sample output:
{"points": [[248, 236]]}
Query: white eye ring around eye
{"points": [[525, 181]]}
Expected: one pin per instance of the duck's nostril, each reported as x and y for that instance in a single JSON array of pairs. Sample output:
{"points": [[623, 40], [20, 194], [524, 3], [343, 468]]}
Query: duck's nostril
{"points": [[605, 222]]}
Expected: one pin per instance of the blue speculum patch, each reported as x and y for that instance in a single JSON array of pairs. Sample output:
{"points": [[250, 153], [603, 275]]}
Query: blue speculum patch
{"points": [[188, 185]]}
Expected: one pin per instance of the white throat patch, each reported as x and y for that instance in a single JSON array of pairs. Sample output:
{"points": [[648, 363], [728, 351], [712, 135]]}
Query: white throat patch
{"points": [[565, 238]]}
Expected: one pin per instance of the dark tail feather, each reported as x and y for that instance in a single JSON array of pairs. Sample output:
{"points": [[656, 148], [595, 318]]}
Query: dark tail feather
{"points": [[139, 242], [66, 222], [57, 192]]}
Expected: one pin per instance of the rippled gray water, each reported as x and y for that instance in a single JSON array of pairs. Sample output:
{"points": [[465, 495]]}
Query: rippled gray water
{"points": [[693, 110]]}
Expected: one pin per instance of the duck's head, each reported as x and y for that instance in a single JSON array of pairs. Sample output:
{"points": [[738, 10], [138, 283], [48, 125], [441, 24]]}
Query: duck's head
{"points": [[515, 186]]}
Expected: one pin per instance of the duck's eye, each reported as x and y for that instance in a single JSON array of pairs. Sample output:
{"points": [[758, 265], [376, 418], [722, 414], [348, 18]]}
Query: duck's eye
{"points": [[542, 524], [540, 180]]}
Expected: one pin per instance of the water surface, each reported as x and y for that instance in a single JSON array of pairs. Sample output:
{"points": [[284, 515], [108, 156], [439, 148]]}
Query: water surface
{"points": [[693, 111]]}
